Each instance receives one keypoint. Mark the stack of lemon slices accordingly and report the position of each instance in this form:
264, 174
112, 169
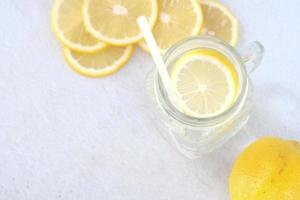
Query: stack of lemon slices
99, 36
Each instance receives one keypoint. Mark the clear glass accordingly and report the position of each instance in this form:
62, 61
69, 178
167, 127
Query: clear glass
195, 136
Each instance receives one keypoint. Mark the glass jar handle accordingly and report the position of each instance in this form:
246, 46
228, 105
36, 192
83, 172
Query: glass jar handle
253, 56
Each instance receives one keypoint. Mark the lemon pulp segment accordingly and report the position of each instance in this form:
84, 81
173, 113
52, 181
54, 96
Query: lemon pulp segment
177, 20
67, 24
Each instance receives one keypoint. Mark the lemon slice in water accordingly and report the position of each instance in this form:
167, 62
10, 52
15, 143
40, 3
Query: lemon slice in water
206, 81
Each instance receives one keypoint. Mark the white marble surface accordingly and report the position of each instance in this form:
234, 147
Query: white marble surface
64, 136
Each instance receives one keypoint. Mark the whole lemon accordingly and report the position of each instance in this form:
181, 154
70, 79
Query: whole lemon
269, 169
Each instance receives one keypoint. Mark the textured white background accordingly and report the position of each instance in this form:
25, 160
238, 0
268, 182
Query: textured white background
64, 136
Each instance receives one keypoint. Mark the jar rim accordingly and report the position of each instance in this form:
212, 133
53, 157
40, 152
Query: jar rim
172, 111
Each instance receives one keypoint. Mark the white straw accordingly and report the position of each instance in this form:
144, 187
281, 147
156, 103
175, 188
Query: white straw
160, 65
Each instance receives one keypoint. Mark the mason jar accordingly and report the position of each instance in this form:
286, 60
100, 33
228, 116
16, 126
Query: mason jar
194, 136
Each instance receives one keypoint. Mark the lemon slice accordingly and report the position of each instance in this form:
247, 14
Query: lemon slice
219, 22
100, 63
177, 20
67, 24
206, 83
114, 21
